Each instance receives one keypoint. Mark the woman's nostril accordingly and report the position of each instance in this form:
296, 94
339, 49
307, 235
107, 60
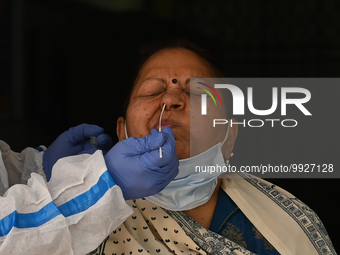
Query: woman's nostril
175, 106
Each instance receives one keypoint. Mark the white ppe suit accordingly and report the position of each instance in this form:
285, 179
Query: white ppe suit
71, 214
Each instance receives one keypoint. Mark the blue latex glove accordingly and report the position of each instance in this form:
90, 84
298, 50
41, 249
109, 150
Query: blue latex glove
136, 167
73, 142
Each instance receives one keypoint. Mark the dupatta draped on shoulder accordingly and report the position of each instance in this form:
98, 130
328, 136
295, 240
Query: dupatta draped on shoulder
288, 224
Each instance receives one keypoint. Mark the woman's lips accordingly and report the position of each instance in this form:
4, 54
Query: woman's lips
169, 123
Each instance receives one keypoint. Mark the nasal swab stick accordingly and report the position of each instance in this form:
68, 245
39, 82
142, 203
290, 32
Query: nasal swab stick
160, 129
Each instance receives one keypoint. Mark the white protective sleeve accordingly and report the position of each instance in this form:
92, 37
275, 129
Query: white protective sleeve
71, 214
19, 166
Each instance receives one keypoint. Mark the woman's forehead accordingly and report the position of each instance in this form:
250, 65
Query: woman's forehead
175, 62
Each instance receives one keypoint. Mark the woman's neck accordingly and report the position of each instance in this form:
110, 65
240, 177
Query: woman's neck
203, 214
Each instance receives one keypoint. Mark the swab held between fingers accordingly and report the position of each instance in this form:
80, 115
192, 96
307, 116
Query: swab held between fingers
160, 129
93, 142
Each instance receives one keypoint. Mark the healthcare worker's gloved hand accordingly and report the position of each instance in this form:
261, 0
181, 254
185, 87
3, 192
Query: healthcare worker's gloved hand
136, 166
73, 142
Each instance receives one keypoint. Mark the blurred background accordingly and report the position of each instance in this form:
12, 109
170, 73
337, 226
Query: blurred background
66, 62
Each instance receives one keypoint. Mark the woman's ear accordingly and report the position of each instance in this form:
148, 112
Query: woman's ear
228, 146
121, 129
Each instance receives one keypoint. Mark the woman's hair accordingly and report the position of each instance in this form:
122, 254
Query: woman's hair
150, 49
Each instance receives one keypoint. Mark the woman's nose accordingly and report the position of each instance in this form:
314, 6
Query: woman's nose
175, 99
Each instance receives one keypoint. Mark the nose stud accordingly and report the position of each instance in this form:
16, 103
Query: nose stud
174, 81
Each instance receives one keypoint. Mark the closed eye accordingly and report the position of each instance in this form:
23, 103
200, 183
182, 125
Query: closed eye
151, 88
152, 94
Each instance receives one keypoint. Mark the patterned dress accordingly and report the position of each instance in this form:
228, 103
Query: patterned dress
252, 217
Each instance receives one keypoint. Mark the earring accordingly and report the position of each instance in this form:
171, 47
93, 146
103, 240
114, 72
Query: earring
174, 81
227, 162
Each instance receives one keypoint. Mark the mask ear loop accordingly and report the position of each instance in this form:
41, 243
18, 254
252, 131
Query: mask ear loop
126, 135
232, 154
227, 134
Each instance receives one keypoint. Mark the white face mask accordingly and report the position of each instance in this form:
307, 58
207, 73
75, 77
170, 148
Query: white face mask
192, 188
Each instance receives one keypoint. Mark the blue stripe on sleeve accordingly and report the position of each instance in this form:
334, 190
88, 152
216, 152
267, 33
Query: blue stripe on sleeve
28, 220
89, 198
50, 211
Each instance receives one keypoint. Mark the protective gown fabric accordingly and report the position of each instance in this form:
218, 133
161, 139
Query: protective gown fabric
19, 166
71, 214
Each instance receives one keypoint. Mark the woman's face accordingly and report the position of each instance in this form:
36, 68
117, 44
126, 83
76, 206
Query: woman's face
154, 88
